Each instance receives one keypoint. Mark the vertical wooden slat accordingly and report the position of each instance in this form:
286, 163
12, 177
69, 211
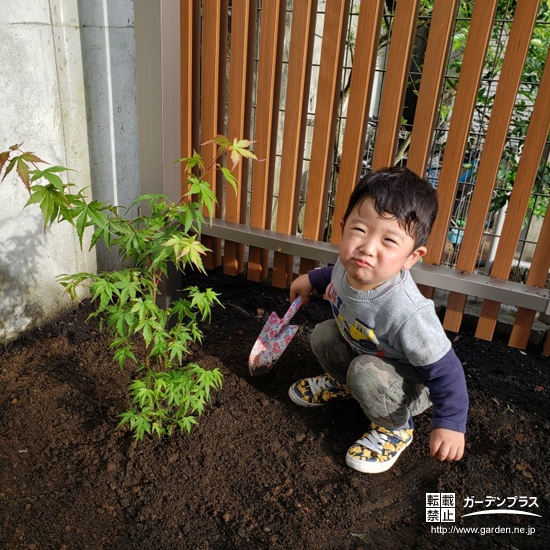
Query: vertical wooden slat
242, 25
538, 273
299, 72
435, 61
222, 78
272, 23
186, 59
532, 151
196, 88
330, 73
190, 60
210, 108
463, 108
248, 119
497, 132
521, 330
357, 118
395, 82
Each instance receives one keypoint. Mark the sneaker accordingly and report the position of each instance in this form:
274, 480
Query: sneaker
314, 392
379, 449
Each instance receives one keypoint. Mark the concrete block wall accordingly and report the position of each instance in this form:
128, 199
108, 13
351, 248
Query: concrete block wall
67, 92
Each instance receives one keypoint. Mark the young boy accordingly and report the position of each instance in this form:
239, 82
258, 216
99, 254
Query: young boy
385, 346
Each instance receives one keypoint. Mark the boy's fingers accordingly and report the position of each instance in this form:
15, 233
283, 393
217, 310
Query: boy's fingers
442, 452
305, 299
449, 453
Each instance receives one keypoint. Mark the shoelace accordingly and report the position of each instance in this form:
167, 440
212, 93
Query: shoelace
374, 441
317, 385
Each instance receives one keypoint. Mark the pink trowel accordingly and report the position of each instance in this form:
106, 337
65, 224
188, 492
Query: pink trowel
273, 340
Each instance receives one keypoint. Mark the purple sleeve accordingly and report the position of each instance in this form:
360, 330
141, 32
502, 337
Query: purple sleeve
320, 278
447, 384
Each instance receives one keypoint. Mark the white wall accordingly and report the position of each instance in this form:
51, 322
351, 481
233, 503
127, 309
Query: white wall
158, 82
71, 109
108, 57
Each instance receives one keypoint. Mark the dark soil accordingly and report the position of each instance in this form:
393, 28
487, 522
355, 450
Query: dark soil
258, 472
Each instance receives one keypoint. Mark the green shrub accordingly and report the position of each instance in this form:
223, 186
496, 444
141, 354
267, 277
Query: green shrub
168, 394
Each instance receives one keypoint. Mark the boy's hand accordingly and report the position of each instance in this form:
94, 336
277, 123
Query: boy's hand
301, 287
446, 444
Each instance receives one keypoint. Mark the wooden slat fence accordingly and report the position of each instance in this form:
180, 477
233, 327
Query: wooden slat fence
256, 58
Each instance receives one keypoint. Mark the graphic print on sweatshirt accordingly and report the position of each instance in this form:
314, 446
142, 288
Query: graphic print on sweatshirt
359, 335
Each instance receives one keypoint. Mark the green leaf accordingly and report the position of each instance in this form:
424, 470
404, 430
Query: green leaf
96, 214
195, 161
139, 423
123, 354
102, 289
230, 178
141, 394
50, 175
186, 423
203, 300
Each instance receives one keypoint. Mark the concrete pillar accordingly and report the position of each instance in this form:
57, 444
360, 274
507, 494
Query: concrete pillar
42, 107
108, 54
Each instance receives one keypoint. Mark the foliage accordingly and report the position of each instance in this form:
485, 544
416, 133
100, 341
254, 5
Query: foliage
527, 94
168, 394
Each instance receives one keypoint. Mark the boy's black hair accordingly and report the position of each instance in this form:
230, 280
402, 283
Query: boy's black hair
399, 193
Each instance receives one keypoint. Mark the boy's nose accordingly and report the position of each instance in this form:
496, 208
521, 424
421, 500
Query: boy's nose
368, 248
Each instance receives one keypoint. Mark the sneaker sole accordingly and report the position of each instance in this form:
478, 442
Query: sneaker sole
374, 467
299, 401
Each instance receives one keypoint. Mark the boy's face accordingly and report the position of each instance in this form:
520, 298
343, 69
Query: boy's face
374, 249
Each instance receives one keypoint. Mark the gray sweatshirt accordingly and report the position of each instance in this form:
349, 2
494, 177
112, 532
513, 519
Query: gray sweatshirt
395, 321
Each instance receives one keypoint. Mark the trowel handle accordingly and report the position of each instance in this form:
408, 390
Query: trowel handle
294, 307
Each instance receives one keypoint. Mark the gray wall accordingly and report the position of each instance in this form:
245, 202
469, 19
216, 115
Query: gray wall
68, 93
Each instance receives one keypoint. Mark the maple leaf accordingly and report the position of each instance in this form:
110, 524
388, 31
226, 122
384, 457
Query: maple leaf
20, 163
239, 149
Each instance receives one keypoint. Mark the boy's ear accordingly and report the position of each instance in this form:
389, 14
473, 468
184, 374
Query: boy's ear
341, 224
414, 256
